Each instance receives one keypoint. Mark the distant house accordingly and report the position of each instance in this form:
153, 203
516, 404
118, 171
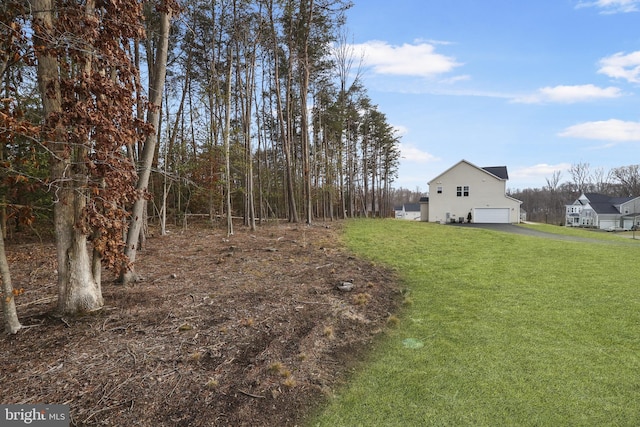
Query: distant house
603, 212
466, 191
410, 211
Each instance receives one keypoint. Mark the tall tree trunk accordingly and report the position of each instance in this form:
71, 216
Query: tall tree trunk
261, 203
285, 127
11, 323
248, 109
373, 186
340, 180
306, 15
77, 287
227, 143
153, 117
306, 158
169, 146
365, 173
3, 203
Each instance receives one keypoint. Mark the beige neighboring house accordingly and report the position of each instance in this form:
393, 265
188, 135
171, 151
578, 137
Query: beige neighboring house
467, 191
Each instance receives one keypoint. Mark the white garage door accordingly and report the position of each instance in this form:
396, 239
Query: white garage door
606, 223
491, 215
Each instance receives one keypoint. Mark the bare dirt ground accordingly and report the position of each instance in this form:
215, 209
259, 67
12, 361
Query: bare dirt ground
246, 330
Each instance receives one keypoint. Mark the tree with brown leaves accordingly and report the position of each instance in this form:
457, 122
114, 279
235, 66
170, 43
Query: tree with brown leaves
86, 80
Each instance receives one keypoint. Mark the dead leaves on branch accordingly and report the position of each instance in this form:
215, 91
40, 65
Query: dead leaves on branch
97, 84
14, 293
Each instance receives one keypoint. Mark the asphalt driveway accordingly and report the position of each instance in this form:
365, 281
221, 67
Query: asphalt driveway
511, 228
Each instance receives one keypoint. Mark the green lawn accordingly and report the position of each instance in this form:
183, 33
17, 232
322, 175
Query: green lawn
502, 329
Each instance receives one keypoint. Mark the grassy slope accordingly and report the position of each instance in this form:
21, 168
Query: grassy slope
516, 331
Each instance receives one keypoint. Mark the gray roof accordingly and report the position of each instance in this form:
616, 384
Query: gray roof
604, 204
408, 207
499, 171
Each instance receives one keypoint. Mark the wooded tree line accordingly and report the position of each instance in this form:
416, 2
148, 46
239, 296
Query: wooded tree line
273, 88
112, 112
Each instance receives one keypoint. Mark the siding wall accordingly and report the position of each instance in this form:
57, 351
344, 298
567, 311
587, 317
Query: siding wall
485, 191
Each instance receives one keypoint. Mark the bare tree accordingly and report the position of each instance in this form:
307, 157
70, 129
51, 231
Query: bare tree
7, 293
554, 212
285, 129
158, 71
581, 176
601, 181
554, 181
305, 23
248, 30
227, 143
344, 55
629, 179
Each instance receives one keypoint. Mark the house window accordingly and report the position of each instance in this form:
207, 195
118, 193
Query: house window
462, 191
439, 190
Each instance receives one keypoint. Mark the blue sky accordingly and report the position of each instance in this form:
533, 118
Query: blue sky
534, 85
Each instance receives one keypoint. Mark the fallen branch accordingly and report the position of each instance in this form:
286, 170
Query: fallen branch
313, 302
323, 266
44, 300
255, 396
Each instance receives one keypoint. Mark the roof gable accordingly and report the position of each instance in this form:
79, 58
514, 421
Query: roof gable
497, 172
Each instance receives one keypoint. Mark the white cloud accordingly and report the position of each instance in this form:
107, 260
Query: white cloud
569, 94
419, 59
622, 66
541, 170
455, 79
411, 153
606, 130
534, 176
612, 6
400, 130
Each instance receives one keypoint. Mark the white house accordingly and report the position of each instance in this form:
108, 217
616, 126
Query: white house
604, 212
466, 191
410, 211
